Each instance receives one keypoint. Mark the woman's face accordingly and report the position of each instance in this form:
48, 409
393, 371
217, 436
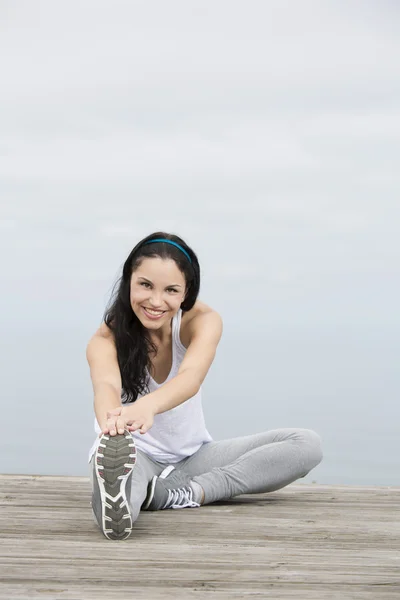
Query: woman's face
157, 292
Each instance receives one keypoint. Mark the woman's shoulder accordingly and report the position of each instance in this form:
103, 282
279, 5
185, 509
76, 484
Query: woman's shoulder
105, 332
199, 308
191, 317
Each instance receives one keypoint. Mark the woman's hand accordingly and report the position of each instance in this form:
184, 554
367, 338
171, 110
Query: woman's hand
137, 416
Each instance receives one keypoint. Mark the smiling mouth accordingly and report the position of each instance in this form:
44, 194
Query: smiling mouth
156, 313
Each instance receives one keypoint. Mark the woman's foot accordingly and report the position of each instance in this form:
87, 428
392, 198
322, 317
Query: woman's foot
113, 463
173, 491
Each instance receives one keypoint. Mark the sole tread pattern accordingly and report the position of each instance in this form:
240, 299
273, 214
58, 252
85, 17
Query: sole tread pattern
114, 461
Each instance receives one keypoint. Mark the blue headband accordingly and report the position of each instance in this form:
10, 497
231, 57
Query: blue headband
170, 242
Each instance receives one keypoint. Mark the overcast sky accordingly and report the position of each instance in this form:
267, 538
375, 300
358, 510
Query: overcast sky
265, 133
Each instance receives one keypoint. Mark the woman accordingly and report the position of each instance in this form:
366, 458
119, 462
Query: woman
147, 363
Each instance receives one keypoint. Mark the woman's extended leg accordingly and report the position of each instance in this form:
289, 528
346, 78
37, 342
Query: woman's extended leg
252, 464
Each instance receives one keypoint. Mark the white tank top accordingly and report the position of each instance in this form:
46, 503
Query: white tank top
178, 432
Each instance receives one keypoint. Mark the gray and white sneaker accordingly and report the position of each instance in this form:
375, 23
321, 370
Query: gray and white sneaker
170, 491
113, 464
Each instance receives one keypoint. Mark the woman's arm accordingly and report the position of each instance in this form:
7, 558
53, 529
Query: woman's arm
205, 330
101, 355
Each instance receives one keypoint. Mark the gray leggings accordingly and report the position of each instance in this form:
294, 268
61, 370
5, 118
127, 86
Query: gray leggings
252, 464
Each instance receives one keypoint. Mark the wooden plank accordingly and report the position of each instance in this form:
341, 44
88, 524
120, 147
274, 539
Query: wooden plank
305, 541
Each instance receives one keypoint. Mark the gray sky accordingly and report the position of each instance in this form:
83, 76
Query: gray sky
265, 133
273, 125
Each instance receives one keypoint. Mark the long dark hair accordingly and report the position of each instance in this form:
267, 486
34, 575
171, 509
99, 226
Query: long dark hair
132, 344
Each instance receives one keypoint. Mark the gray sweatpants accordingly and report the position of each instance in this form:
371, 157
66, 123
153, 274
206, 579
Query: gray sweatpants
252, 464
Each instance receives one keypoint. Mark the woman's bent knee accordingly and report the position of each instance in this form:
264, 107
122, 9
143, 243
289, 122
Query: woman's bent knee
314, 446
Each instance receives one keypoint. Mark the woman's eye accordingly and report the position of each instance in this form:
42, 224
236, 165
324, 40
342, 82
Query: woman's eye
145, 284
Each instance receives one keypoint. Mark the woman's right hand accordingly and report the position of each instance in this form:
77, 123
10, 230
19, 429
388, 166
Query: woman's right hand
116, 423
139, 417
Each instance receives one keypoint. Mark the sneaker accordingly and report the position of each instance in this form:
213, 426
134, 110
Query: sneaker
174, 491
113, 464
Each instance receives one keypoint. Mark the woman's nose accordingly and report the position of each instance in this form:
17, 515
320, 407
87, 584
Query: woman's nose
155, 300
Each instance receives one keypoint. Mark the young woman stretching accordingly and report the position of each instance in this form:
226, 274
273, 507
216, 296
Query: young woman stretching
147, 363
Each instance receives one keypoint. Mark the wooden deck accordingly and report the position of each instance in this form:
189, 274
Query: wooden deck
302, 542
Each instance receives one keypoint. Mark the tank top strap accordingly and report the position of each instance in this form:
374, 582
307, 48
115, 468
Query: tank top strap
176, 328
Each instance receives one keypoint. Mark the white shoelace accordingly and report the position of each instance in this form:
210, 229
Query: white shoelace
180, 498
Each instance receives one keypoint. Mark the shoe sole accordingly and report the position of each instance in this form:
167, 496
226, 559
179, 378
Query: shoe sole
114, 461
